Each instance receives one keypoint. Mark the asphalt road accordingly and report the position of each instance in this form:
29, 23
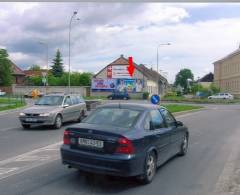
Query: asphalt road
30, 164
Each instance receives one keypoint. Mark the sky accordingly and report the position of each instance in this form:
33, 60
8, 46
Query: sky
199, 33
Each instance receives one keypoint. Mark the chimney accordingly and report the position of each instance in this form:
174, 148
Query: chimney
121, 56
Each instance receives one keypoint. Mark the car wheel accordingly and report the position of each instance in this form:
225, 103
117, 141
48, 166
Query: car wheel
150, 168
125, 98
184, 146
26, 126
58, 122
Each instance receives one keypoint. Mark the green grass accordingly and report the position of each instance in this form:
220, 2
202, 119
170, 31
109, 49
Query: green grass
10, 107
8, 103
95, 97
178, 108
197, 100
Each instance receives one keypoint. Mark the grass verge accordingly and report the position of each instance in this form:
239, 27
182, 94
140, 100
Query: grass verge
179, 108
10, 107
200, 101
7, 103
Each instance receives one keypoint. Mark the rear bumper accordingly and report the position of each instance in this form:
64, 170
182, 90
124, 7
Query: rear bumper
115, 164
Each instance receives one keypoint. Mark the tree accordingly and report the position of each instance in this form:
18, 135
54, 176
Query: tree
182, 79
85, 79
57, 67
5, 69
35, 67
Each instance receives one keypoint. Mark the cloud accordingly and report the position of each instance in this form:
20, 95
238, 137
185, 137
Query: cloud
107, 30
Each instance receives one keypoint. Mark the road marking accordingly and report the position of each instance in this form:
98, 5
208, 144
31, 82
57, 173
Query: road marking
29, 160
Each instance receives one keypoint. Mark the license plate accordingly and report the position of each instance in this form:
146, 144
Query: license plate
90, 142
31, 119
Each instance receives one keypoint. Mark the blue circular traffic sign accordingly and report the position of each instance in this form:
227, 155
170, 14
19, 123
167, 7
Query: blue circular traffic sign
155, 99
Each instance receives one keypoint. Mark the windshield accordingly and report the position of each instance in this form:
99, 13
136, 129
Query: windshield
113, 117
50, 101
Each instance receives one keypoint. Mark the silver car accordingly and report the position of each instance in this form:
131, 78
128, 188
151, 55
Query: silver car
53, 110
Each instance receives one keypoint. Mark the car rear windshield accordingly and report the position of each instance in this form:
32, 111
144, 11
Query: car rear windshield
113, 117
50, 101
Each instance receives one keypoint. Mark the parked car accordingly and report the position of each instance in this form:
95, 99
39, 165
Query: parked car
119, 95
124, 139
2, 93
221, 96
54, 109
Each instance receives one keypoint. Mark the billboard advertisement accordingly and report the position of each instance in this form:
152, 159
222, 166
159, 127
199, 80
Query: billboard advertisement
103, 84
130, 85
122, 85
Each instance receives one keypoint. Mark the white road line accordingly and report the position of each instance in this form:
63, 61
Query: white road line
29, 160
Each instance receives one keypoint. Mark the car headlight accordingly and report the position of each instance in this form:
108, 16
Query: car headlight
44, 114
22, 114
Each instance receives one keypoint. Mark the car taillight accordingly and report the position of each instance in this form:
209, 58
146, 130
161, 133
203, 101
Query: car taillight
125, 146
66, 138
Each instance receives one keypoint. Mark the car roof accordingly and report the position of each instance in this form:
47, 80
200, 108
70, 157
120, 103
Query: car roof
138, 106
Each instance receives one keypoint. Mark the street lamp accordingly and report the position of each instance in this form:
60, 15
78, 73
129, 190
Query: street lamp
46, 45
69, 49
159, 45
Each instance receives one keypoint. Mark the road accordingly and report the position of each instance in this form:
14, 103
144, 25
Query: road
30, 163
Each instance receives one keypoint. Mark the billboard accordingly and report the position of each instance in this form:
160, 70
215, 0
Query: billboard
130, 85
103, 84
120, 72
122, 85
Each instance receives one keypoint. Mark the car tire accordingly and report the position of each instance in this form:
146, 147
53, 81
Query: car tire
150, 168
58, 122
110, 98
184, 146
125, 98
26, 126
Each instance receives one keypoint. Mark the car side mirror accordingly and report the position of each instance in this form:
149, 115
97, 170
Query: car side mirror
179, 123
65, 105
151, 125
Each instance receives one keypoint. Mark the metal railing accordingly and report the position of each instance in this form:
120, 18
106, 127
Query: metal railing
11, 101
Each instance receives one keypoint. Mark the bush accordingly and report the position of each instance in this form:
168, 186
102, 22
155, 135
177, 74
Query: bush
77, 79
145, 95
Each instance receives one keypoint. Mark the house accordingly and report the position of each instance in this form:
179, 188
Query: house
227, 73
18, 74
206, 80
115, 76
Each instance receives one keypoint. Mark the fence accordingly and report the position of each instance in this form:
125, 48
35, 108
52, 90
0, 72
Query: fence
83, 90
11, 101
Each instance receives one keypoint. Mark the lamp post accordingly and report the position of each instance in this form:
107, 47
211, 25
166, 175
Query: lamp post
69, 49
159, 45
46, 45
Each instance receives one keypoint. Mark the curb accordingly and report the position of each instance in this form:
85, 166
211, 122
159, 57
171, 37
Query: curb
187, 111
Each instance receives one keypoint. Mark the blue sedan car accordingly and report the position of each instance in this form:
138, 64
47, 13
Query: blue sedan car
124, 139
